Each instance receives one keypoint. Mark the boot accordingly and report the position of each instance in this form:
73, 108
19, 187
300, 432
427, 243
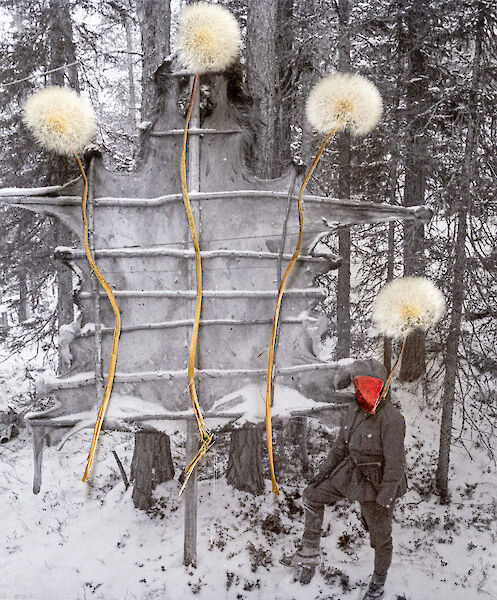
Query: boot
376, 588
305, 556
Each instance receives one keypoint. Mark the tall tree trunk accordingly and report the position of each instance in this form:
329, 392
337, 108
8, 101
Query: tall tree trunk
343, 282
131, 77
3, 314
262, 79
413, 359
459, 271
155, 24
151, 465
22, 309
245, 460
152, 461
393, 175
62, 52
267, 55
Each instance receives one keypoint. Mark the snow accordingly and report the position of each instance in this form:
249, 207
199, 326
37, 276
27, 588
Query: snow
76, 542
18, 375
250, 400
67, 333
126, 406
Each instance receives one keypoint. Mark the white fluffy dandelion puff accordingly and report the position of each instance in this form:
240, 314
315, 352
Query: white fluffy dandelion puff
60, 119
344, 101
209, 38
405, 304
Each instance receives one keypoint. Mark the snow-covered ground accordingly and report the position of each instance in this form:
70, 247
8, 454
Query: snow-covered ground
75, 541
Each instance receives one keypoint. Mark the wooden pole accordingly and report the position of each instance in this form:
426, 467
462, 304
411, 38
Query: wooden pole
192, 438
38, 445
98, 357
190, 496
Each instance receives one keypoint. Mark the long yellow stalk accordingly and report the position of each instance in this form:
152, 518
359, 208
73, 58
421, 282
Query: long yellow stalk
205, 436
117, 328
291, 264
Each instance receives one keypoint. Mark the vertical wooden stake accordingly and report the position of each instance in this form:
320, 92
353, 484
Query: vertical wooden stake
38, 445
95, 291
190, 496
192, 439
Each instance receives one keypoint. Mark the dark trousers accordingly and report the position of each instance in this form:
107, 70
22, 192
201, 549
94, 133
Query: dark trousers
378, 519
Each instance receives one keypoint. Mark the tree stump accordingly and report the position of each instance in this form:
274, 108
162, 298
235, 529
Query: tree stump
245, 461
297, 433
151, 465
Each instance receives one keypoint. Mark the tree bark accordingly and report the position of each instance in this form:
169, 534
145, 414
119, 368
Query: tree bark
62, 48
3, 315
62, 51
151, 465
22, 310
459, 271
262, 79
343, 282
393, 175
413, 359
267, 65
245, 460
152, 462
155, 23
131, 77
298, 433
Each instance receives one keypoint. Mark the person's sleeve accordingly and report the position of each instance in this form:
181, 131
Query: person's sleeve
335, 455
393, 434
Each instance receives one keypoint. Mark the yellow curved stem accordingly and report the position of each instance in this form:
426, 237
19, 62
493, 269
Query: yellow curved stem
291, 264
117, 328
205, 436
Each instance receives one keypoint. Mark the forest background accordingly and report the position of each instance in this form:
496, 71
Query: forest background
434, 63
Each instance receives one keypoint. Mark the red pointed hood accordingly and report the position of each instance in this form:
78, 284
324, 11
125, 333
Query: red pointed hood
367, 392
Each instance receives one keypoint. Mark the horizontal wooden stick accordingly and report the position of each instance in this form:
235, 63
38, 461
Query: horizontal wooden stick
189, 323
135, 252
27, 200
184, 416
221, 294
360, 210
51, 190
88, 378
194, 131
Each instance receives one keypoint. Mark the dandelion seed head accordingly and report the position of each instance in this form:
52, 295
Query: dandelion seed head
60, 119
405, 304
209, 38
344, 101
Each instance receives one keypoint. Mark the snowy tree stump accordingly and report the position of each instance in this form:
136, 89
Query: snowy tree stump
151, 465
297, 432
245, 461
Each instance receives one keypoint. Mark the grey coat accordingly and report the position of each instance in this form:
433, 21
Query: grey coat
367, 462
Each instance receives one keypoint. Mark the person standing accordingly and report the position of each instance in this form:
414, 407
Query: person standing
366, 464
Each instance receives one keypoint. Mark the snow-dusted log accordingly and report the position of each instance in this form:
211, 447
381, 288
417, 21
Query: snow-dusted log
84, 379
336, 210
195, 131
302, 293
189, 322
51, 190
73, 253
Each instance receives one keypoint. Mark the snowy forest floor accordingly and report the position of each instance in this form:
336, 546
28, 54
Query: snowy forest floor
81, 542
